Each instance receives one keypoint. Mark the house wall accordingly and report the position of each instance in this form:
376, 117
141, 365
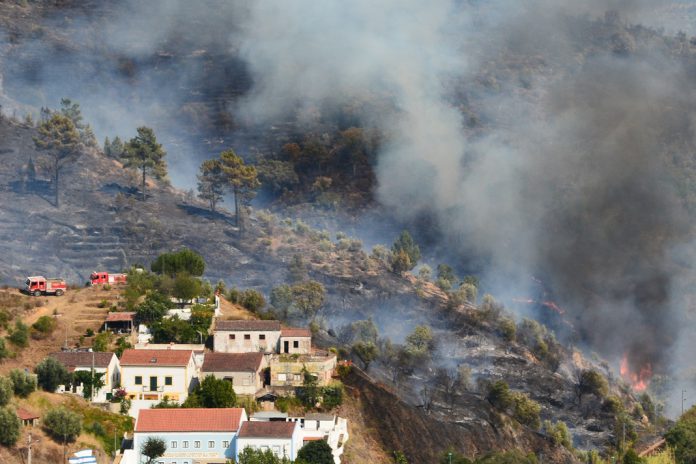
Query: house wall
244, 383
288, 372
304, 345
182, 455
224, 344
282, 447
182, 381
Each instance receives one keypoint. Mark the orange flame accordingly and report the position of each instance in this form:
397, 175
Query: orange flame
639, 381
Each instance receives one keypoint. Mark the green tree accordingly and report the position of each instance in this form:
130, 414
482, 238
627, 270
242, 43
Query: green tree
400, 262
101, 341
682, 437
559, 433
366, 352
152, 309
4, 352
405, 243
72, 111
23, 382
252, 300
173, 330
282, 299
216, 393
186, 287
10, 427
297, 269
309, 297
61, 140
184, 260
242, 179
91, 382
61, 424
591, 382
50, 374
256, 456
211, 182
153, 448
631, 457
526, 410
421, 339
143, 153
308, 393
500, 396
277, 176
6, 390
115, 148
446, 277
315, 452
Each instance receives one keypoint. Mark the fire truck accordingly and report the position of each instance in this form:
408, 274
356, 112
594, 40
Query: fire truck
40, 285
98, 278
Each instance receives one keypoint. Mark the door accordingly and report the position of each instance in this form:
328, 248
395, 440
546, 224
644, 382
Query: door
153, 383
286, 347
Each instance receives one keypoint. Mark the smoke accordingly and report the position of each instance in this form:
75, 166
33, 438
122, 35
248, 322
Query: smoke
567, 179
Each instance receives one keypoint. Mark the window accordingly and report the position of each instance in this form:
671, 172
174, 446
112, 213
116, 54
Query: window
167, 380
174, 444
262, 336
276, 450
138, 379
231, 336
196, 444
225, 444
211, 444
281, 377
247, 336
184, 444
296, 344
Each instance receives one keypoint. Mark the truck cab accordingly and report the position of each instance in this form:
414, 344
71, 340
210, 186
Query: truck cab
98, 278
35, 285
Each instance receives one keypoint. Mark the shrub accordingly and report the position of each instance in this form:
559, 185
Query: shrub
6, 390
332, 396
89, 333
20, 335
24, 383
50, 373
103, 304
101, 341
499, 395
10, 427
62, 425
4, 352
526, 410
316, 452
508, 329
559, 433
612, 404
184, 260
43, 327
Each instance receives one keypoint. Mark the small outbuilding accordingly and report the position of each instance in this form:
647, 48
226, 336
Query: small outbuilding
28, 418
120, 322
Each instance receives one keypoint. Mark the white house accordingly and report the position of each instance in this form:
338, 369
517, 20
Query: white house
246, 336
316, 426
295, 341
192, 436
282, 438
102, 362
243, 370
198, 349
152, 375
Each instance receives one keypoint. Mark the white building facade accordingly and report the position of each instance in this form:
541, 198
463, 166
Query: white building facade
152, 375
246, 336
104, 363
282, 438
192, 436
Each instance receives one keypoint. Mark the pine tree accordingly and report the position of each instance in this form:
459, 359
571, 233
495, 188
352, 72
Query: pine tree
242, 179
143, 153
211, 182
59, 137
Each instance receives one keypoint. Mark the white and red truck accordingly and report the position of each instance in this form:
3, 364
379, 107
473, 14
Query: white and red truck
99, 278
40, 285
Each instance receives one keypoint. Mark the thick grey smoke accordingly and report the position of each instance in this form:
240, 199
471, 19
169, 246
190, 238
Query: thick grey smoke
566, 180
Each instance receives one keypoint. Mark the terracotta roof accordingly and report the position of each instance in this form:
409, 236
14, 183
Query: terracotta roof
73, 359
232, 362
267, 429
119, 317
156, 357
295, 332
251, 326
26, 415
189, 420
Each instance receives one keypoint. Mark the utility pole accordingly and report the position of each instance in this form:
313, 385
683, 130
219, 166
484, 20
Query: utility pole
29, 449
683, 398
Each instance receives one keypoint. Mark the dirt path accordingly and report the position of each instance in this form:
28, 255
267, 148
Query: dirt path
75, 312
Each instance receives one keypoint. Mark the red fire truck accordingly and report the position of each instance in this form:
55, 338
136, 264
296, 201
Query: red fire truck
99, 278
40, 285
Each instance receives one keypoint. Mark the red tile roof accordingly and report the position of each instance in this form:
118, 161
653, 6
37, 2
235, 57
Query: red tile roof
267, 429
232, 362
120, 317
26, 415
189, 420
295, 332
251, 326
156, 357
73, 359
